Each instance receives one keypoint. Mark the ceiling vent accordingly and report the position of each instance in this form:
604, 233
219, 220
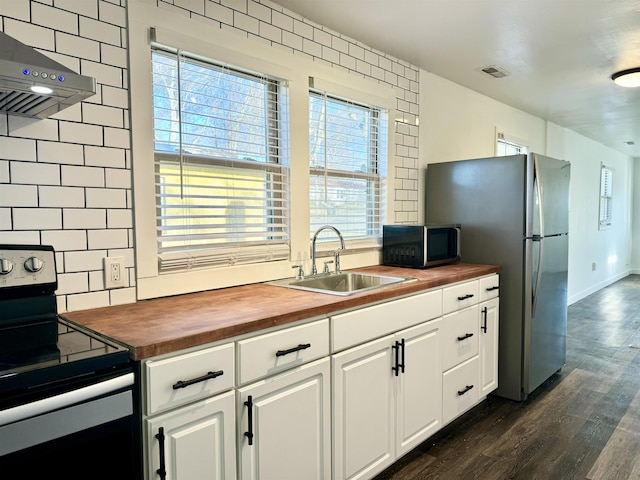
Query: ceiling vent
495, 71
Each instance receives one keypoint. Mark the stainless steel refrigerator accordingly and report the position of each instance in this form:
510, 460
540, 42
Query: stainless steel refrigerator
514, 212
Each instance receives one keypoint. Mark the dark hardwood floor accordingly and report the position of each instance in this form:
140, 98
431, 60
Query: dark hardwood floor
583, 423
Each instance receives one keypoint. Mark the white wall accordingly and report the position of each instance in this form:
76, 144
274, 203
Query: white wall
635, 221
458, 123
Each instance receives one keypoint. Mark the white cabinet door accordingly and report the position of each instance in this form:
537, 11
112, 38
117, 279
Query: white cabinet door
285, 425
419, 385
489, 329
363, 410
195, 442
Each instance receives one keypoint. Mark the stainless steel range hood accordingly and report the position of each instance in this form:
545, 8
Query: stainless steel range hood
33, 85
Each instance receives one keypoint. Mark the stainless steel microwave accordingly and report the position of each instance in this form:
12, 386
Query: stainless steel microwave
420, 246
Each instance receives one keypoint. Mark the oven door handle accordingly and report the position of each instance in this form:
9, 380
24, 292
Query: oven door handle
29, 410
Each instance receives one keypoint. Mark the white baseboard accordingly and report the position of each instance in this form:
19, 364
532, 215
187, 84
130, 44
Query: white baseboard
598, 286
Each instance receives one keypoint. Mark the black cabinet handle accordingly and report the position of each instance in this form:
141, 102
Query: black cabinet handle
302, 346
491, 289
468, 295
162, 471
465, 390
402, 364
249, 433
396, 349
186, 383
465, 336
484, 319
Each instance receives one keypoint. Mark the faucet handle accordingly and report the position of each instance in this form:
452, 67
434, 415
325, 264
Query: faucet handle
300, 275
326, 266
337, 260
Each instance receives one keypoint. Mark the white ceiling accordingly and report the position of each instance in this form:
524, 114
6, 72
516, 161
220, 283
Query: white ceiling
560, 54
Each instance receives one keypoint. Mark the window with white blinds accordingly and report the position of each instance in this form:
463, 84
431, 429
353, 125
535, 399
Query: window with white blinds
348, 166
221, 168
506, 147
606, 195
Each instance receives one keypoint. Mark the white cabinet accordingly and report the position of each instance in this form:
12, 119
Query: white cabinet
387, 399
194, 442
284, 425
489, 333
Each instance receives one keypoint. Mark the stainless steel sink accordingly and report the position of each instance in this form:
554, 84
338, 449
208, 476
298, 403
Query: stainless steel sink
346, 283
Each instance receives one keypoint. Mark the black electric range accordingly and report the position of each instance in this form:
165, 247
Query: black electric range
40, 353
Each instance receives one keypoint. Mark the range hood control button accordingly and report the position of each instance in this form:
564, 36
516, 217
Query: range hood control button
33, 264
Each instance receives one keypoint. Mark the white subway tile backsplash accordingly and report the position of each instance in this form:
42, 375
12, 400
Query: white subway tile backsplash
260, 12
54, 18
82, 261
117, 178
96, 30
239, 5
101, 115
43, 129
119, 218
74, 112
121, 296
87, 8
280, 20
17, 149
61, 196
270, 32
4, 171
80, 133
292, 40
5, 218
14, 9
82, 176
106, 198
196, 6
219, 12
116, 137
56, 152
65, 240
77, 46
72, 283
35, 173
110, 13
18, 195
96, 280
111, 55
29, 34
20, 236
105, 74
115, 97
340, 44
37, 218
104, 156
245, 22
84, 301
107, 239
83, 218
303, 29
312, 48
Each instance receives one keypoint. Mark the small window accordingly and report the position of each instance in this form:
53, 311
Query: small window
507, 146
220, 164
348, 166
606, 196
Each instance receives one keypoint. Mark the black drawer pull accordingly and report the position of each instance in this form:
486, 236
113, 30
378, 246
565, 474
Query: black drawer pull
302, 346
465, 390
186, 383
468, 295
162, 471
249, 405
491, 289
466, 335
485, 311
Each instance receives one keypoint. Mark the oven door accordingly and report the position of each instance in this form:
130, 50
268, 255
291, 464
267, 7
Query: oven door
82, 433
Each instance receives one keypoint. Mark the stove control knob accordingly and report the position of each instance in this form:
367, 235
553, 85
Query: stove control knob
33, 264
5, 266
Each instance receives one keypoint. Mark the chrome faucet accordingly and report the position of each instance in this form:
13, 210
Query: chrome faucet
314, 270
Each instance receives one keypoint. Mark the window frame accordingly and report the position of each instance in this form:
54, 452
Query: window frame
376, 175
605, 215
519, 144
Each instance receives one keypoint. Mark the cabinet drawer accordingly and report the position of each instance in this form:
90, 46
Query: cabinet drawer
359, 326
460, 336
459, 296
273, 352
489, 287
460, 389
185, 378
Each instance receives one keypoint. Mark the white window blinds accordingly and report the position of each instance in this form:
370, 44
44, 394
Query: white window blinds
506, 147
606, 195
221, 164
348, 166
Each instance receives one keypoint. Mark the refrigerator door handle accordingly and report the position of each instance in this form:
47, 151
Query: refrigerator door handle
538, 186
536, 287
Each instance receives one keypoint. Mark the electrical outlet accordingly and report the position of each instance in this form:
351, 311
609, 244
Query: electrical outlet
114, 272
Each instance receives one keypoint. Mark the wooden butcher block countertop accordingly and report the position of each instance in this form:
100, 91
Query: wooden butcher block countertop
163, 325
